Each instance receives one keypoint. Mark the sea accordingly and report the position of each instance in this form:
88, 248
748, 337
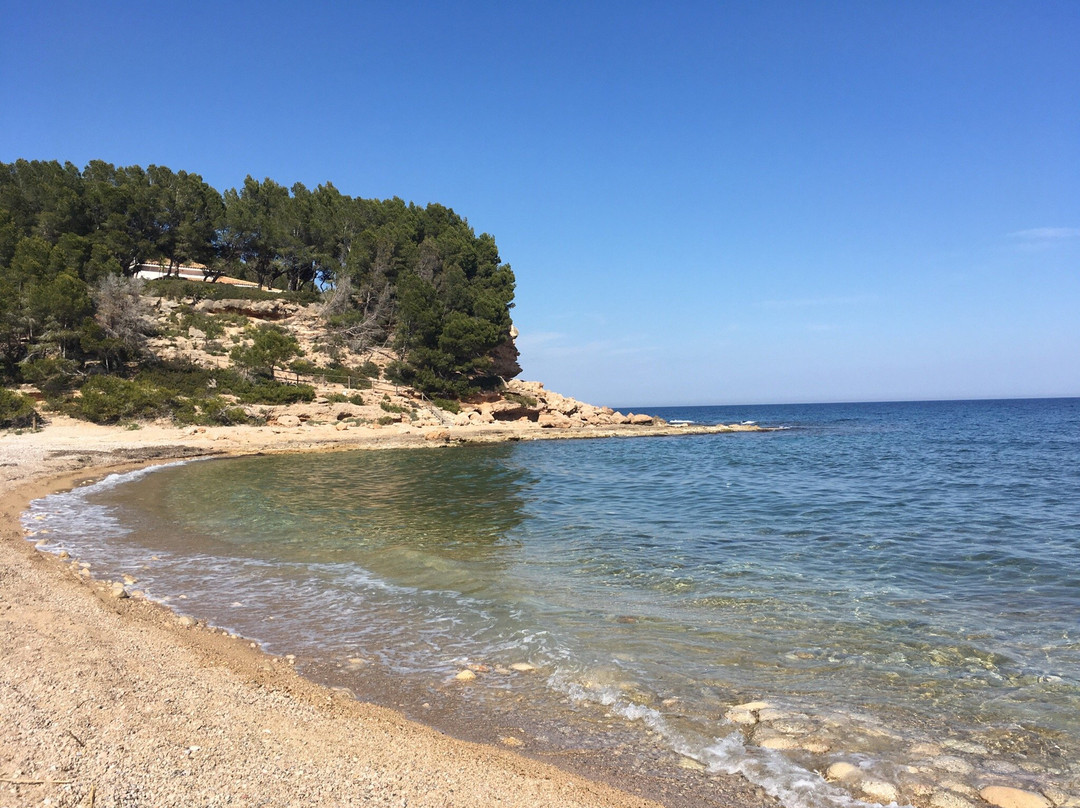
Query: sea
895, 586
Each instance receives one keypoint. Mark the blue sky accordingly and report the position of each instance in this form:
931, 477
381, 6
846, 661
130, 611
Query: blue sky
741, 202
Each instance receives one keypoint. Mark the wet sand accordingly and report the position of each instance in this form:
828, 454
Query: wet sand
116, 701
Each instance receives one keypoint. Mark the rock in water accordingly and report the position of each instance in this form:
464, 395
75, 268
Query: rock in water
1005, 797
841, 771
879, 790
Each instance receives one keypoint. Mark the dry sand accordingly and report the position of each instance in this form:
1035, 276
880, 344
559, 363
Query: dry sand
109, 702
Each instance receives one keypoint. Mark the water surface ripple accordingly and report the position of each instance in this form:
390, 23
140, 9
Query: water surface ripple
901, 582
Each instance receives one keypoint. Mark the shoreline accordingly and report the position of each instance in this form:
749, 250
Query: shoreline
113, 696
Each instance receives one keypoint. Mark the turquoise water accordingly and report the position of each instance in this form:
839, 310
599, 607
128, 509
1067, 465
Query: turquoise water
901, 582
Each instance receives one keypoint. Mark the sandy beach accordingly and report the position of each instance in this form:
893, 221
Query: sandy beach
116, 701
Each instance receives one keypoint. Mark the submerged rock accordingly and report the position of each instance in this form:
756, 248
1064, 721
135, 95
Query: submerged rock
841, 771
879, 790
1006, 797
947, 799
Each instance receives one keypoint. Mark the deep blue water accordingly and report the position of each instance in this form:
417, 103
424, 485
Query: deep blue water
900, 581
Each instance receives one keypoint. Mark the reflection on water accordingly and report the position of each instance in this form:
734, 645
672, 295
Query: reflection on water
899, 583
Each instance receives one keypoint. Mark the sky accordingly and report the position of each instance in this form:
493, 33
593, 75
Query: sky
703, 202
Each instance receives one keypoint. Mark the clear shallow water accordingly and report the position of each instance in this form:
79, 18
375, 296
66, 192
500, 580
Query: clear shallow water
900, 581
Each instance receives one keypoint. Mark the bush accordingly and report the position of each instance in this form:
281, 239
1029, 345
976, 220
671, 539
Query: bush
520, 398
108, 399
51, 376
270, 347
274, 393
447, 404
16, 410
212, 411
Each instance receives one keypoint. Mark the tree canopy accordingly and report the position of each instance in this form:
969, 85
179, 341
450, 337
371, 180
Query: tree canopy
418, 279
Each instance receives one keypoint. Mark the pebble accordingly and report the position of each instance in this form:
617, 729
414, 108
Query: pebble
740, 717
691, 764
1006, 797
119, 592
953, 764
522, 667
946, 799
1058, 797
63, 554
778, 742
185, 621
964, 746
510, 740
465, 675
959, 788
841, 771
752, 706
879, 790
130, 579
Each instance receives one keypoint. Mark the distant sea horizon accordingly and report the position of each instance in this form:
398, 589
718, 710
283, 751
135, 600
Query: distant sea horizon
646, 407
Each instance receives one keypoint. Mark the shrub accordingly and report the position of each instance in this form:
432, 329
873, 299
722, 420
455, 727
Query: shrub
520, 398
51, 376
270, 347
274, 393
447, 404
16, 410
108, 399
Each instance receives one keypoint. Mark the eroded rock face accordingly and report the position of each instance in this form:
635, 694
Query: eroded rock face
504, 359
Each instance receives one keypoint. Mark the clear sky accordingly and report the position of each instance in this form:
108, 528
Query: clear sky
703, 202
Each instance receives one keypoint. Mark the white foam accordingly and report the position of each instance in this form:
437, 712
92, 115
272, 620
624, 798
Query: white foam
791, 784
782, 778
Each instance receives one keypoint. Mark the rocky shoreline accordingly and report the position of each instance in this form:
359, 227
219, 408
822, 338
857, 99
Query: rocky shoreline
114, 700
69, 644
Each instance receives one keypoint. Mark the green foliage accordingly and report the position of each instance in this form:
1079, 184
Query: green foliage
109, 399
447, 404
386, 420
51, 375
270, 347
417, 276
386, 406
520, 398
16, 410
181, 289
274, 393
